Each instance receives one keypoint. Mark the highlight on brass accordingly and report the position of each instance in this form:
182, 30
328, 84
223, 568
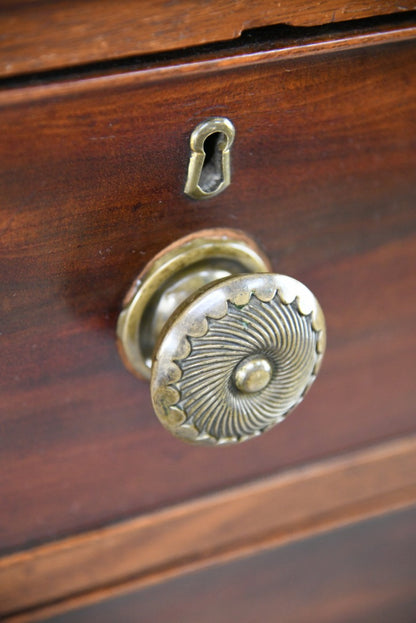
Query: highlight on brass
230, 348
209, 170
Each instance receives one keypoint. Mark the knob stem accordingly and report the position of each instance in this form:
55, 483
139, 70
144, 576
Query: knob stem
170, 278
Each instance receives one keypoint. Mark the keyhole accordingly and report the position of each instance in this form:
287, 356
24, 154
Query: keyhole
209, 171
212, 174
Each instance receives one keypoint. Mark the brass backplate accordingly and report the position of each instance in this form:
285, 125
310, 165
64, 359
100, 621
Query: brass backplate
171, 277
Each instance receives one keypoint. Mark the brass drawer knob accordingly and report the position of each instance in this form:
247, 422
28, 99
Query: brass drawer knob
230, 349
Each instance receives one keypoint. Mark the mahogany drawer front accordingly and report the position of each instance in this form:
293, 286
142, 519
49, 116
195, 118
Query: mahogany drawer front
92, 177
362, 573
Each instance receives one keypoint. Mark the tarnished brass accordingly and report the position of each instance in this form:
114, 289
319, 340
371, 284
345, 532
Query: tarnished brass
231, 349
253, 374
170, 277
209, 170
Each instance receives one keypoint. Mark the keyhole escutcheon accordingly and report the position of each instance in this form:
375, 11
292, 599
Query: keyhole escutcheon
209, 170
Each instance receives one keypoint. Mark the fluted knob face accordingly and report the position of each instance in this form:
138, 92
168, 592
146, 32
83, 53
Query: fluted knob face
236, 358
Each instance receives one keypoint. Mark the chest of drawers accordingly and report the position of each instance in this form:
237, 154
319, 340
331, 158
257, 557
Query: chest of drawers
97, 501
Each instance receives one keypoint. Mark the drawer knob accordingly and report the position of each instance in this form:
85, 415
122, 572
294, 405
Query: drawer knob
229, 348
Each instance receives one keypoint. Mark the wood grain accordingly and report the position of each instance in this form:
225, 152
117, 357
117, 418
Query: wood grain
323, 177
145, 550
362, 573
38, 36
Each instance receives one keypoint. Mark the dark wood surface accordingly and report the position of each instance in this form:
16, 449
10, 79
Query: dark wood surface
153, 547
364, 573
40, 35
92, 174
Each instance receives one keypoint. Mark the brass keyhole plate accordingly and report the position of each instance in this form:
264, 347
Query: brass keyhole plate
209, 170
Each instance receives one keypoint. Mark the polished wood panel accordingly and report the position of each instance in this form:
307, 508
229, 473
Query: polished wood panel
325, 136
364, 573
300, 502
43, 35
